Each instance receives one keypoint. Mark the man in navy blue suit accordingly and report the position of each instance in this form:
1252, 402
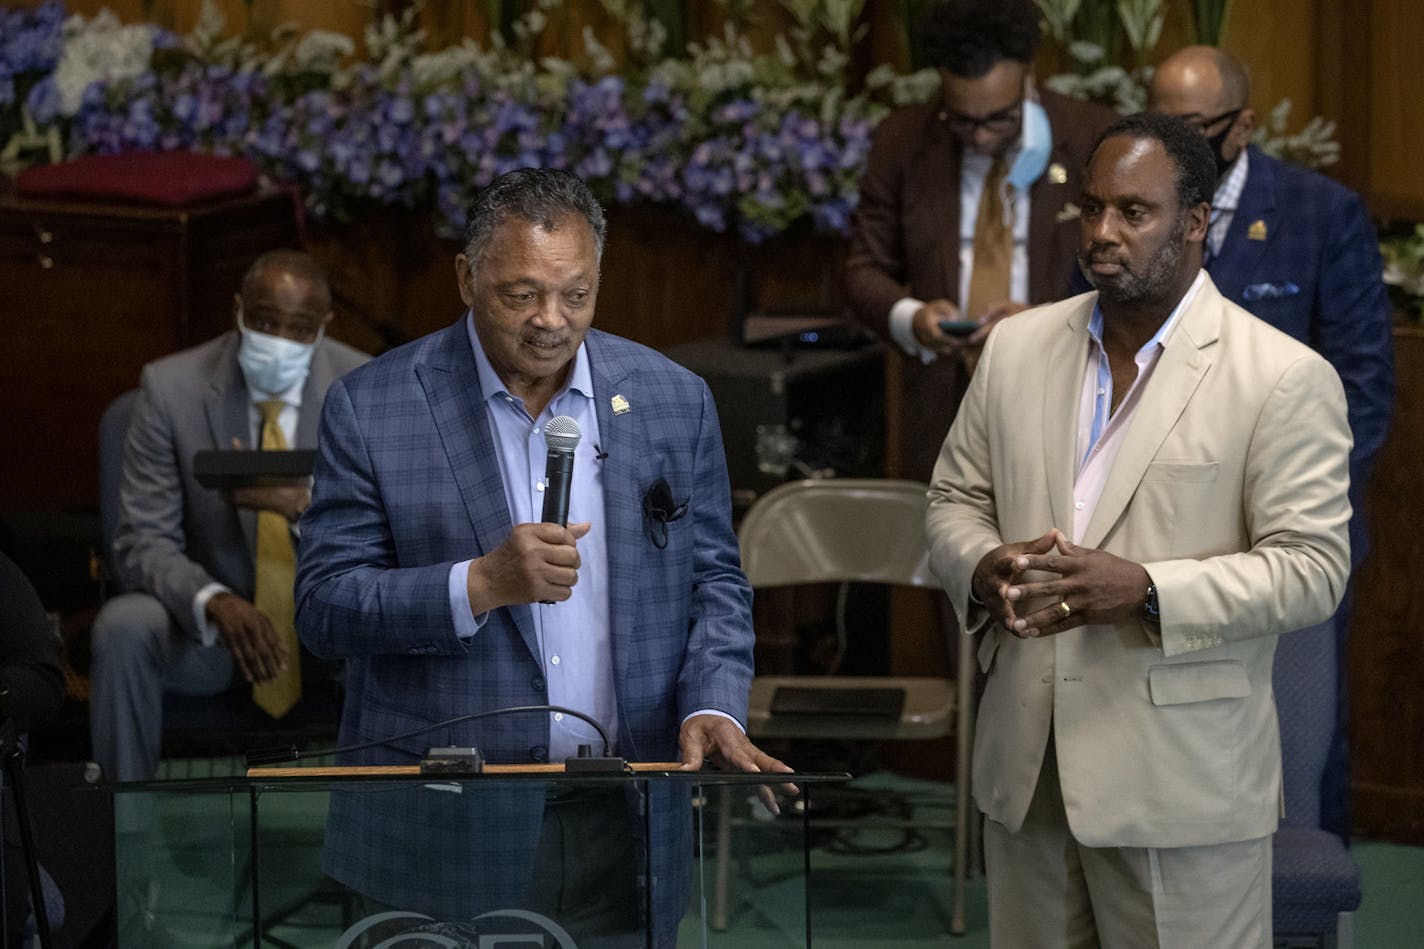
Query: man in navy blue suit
425, 565
1299, 251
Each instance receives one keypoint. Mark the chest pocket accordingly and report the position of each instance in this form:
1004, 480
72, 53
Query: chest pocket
1176, 497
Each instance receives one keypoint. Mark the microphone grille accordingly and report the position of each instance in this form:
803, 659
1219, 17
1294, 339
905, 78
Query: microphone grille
561, 434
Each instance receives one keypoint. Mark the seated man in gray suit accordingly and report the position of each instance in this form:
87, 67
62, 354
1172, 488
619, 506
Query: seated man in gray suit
196, 618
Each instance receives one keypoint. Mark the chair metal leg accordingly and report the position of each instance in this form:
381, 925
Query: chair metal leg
1345, 931
961, 818
965, 826
724, 858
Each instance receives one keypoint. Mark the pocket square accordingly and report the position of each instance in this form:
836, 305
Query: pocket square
1270, 291
661, 510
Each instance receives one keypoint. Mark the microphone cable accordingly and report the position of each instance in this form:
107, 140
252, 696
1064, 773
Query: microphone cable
264, 756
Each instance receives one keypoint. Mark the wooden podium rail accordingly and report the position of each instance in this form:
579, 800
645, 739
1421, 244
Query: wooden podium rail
382, 771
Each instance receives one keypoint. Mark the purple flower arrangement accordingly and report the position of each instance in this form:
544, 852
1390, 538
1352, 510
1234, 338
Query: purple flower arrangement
393, 133
30, 44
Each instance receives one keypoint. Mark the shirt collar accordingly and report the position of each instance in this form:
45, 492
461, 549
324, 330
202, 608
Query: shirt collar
1229, 188
1159, 338
580, 380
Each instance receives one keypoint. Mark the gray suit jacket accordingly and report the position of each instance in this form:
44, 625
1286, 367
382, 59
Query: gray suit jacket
1230, 488
175, 536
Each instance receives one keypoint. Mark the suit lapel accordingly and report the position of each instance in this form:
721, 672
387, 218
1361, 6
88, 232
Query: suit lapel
1061, 393
935, 179
229, 416
1048, 199
457, 406
1240, 255
1183, 364
622, 437
313, 392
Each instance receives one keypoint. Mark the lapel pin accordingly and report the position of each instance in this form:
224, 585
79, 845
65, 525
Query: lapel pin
1257, 231
1070, 212
620, 405
1057, 174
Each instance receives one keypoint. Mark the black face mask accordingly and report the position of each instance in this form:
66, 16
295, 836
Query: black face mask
1216, 141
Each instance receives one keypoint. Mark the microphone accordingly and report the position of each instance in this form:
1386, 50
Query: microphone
561, 436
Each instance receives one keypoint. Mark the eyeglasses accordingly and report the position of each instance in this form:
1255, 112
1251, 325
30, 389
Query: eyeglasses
1205, 126
1002, 121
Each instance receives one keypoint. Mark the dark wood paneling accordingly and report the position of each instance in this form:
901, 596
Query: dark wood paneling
94, 291
1387, 637
665, 279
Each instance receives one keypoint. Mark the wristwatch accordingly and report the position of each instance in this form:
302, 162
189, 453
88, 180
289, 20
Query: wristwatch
1150, 612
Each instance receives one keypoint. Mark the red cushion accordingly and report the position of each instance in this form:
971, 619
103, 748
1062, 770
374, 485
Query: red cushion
169, 178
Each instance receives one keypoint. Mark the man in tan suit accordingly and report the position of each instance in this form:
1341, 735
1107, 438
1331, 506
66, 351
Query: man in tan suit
1144, 487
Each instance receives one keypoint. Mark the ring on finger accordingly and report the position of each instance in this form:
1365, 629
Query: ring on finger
1066, 610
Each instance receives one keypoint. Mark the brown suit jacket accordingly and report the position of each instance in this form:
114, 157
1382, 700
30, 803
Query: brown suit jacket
906, 244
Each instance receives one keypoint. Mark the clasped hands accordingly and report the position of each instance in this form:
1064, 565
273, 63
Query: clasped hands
1096, 586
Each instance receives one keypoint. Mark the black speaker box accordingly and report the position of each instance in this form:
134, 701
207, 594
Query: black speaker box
74, 839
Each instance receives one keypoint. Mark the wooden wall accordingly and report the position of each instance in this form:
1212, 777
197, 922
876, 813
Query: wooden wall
1387, 647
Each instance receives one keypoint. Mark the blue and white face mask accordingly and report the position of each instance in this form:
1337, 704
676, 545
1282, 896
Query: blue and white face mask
273, 364
1035, 145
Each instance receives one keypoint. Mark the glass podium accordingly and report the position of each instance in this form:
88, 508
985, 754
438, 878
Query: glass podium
391, 857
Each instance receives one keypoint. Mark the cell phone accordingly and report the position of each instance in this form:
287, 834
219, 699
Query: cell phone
958, 327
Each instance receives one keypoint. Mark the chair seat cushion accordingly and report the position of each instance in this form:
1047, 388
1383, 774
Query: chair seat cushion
162, 178
1313, 879
926, 709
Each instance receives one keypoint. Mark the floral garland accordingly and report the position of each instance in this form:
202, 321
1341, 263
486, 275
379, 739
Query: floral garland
741, 140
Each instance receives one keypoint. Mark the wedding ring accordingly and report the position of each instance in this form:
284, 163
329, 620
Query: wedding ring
1067, 610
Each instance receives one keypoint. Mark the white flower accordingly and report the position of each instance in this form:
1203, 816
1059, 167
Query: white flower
102, 49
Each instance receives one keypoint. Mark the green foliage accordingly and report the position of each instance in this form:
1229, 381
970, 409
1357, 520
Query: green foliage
1208, 21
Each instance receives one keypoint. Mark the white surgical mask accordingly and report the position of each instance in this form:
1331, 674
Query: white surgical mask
273, 364
1035, 145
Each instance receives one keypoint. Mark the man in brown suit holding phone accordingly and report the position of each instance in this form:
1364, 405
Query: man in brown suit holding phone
933, 264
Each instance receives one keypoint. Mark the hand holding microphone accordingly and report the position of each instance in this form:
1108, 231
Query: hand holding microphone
537, 563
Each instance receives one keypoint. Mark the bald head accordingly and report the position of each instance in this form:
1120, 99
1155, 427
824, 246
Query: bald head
1210, 90
1215, 78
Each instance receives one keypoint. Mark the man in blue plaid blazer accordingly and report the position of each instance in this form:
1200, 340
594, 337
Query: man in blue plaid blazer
423, 564
1298, 250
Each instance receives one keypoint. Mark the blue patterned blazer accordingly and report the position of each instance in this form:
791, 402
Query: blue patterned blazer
407, 484
1303, 255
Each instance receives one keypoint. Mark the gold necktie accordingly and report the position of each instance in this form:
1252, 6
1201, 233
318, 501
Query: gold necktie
993, 247
276, 576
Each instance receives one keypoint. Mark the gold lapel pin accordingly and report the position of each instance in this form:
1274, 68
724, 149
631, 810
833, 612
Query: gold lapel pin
1257, 231
620, 405
1057, 174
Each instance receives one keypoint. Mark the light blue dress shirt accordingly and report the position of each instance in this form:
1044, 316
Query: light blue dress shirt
575, 647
